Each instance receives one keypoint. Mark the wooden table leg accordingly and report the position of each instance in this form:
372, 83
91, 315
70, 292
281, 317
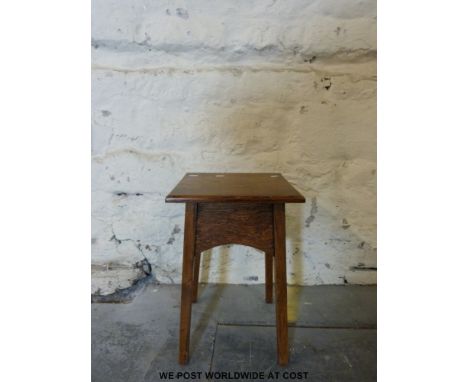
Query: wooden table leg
196, 273
187, 281
269, 277
280, 285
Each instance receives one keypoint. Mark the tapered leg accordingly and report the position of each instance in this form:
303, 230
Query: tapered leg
269, 277
187, 281
196, 273
280, 285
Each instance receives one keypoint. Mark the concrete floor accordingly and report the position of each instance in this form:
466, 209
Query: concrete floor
332, 335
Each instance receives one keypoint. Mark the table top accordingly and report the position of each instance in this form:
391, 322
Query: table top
234, 187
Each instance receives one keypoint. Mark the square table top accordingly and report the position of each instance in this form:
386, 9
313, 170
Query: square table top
234, 187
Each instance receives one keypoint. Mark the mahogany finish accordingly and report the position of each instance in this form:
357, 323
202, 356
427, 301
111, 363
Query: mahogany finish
241, 208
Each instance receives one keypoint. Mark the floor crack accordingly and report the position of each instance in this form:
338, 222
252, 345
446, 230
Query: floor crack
213, 348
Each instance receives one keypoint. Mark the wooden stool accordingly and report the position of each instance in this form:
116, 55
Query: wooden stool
235, 208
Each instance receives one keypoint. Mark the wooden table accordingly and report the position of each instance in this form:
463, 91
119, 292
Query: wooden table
235, 208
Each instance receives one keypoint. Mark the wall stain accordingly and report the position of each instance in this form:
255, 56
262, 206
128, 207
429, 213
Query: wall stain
313, 211
251, 278
326, 82
125, 194
310, 60
339, 240
182, 13
362, 267
345, 224
174, 232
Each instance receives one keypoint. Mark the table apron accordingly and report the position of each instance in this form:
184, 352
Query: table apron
248, 224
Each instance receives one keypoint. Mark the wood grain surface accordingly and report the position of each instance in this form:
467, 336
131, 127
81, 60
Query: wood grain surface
234, 223
235, 208
234, 187
187, 282
281, 292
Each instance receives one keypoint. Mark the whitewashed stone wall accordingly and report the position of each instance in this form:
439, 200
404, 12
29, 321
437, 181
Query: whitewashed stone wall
280, 86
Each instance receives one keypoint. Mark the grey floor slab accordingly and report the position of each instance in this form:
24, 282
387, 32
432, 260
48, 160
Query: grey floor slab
328, 305
315, 354
332, 327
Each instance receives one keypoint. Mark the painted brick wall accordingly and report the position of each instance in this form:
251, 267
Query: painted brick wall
283, 86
